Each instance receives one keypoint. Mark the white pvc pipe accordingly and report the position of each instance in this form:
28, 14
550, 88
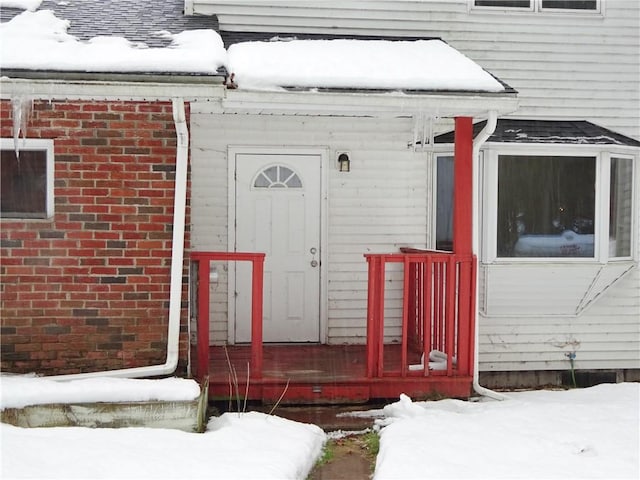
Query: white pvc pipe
482, 137
177, 257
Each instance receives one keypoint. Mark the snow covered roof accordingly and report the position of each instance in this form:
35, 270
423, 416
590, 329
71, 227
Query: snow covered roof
571, 132
146, 36
134, 20
41, 41
422, 65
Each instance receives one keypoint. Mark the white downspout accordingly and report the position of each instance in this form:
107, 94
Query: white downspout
177, 257
485, 133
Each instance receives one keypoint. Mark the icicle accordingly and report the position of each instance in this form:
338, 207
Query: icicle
22, 108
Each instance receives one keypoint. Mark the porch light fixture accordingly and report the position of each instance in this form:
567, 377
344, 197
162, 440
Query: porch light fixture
344, 164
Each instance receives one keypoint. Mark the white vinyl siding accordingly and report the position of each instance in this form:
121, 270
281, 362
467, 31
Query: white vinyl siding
377, 207
564, 65
604, 335
534, 311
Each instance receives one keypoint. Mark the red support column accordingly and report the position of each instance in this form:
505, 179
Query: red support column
202, 368
463, 187
256, 316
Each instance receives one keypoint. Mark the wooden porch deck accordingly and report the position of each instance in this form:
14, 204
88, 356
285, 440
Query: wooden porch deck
309, 374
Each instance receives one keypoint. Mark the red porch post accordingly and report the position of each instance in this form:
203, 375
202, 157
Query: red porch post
463, 187
463, 241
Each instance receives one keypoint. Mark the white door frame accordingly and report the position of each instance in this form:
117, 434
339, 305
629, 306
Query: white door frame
323, 153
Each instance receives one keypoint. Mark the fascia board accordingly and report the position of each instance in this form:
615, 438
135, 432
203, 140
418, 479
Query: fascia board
366, 104
104, 90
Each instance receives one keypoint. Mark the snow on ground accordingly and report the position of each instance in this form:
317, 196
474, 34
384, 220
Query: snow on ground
235, 446
586, 433
17, 391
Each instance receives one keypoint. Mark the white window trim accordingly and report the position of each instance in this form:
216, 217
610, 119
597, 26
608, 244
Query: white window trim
439, 151
635, 203
535, 6
31, 144
602, 154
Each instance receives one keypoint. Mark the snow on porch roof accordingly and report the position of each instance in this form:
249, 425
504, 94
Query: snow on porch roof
418, 65
570, 132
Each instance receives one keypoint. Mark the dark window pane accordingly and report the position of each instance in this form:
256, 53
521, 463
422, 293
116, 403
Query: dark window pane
546, 206
444, 204
620, 206
571, 4
503, 3
23, 183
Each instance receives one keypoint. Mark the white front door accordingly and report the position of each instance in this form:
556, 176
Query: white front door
278, 213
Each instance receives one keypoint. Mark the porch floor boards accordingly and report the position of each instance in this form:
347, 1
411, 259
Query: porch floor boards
323, 374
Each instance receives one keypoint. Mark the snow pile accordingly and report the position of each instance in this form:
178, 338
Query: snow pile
589, 433
20, 391
39, 41
235, 446
374, 64
31, 5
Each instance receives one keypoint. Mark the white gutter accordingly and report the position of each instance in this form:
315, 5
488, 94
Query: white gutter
177, 257
482, 137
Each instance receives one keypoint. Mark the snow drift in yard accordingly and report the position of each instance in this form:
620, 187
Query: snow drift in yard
235, 446
588, 433
17, 391
373, 64
39, 41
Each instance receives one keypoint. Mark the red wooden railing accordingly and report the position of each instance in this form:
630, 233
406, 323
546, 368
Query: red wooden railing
203, 261
438, 314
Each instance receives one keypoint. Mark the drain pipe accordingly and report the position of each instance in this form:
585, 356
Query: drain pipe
485, 133
177, 257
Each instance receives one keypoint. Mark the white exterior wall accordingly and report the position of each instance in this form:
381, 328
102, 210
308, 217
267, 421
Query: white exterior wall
381, 205
569, 65
564, 66
532, 316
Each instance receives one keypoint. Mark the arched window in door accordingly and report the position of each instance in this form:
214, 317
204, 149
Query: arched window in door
277, 176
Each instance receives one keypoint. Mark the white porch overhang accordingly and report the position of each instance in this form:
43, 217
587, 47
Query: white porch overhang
362, 103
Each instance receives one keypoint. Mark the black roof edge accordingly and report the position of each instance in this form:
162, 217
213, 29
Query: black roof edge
405, 91
142, 77
231, 37
567, 132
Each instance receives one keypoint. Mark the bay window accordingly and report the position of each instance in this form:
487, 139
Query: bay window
546, 206
541, 204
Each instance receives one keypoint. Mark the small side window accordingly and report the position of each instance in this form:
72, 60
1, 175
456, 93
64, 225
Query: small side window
591, 5
26, 179
620, 207
503, 3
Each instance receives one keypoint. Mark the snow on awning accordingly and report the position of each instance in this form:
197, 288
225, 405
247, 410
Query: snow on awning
420, 65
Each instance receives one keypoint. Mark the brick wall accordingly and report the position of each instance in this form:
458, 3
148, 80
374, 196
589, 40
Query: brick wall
89, 289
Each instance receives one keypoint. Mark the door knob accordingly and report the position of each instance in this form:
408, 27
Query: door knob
314, 263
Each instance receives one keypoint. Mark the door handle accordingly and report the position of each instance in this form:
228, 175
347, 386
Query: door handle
314, 263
